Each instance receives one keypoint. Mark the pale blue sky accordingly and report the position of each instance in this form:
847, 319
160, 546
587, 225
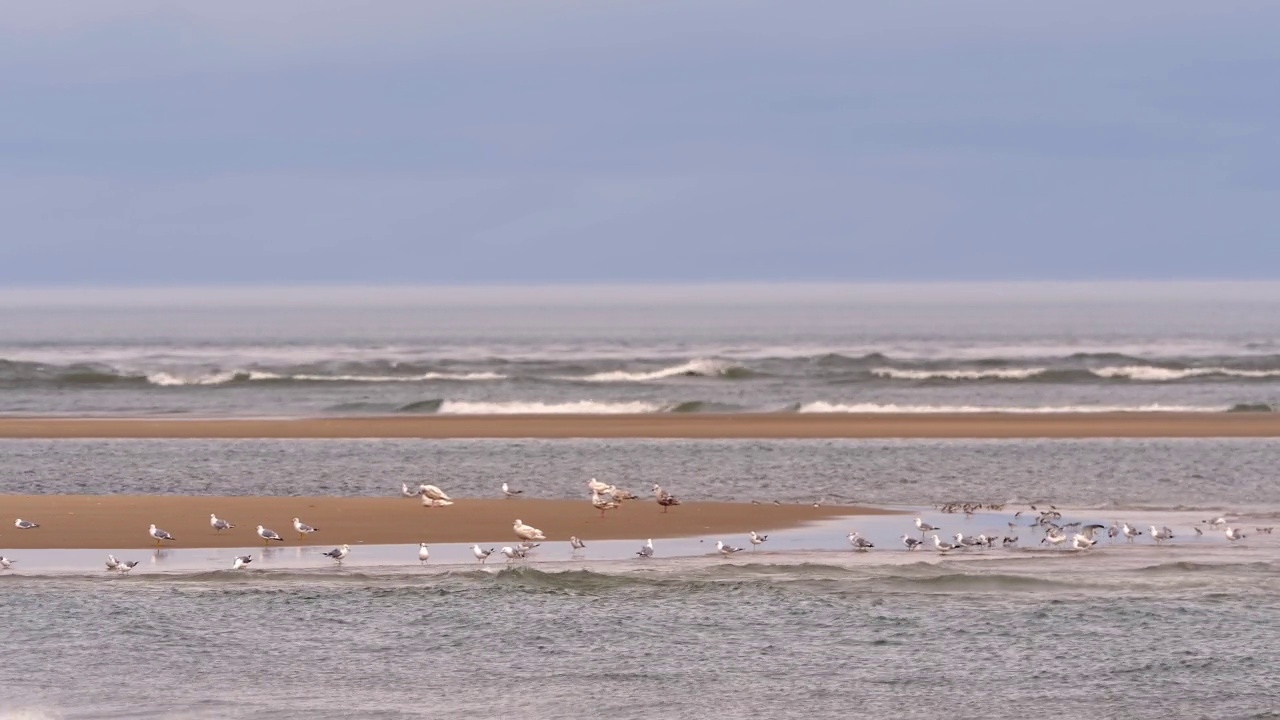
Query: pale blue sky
315, 141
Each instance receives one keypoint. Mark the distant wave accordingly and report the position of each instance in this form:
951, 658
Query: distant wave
701, 367
1148, 373
828, 407
992, 374
583, 407
167, 379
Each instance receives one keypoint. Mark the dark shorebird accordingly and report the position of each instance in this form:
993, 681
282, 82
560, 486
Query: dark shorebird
665, 499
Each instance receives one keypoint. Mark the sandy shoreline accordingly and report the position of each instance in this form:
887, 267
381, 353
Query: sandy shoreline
121, 521
756, 425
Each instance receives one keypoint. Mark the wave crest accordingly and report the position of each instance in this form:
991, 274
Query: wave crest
701, 367
823, 406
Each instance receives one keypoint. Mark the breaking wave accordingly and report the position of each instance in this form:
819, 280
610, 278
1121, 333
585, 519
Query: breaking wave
829, 407
701, 367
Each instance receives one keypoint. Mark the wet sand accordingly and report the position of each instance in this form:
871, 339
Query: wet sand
755, 425
121, 521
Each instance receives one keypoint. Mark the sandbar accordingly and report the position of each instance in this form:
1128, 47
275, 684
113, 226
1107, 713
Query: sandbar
674, 425
121, 521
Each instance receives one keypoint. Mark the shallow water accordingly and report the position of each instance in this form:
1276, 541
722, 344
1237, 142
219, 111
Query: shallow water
801, 627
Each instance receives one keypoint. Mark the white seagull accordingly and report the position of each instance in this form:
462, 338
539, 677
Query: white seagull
527, 532
726, 550
159, 535
1080, 542
911, 542
1054, 538
595, 485
925, 527
338, 553
1234, 535
112, 563
406, 492
646, 550
218, 524
25, 524
509, 492
757, 539
302, 528
942, 546
1129, 532
858, 542
428, 502
423, 553
481, 555
576, 544
601, 504
5, 562
431, 492
268, 535
240, 561
1161, 534
127, 565
511, 553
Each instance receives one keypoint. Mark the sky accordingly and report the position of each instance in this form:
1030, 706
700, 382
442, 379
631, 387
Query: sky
147, 142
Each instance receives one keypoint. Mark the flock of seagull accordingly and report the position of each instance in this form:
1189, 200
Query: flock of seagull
604, 497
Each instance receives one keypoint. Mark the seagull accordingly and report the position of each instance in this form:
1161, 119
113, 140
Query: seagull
1129, 532
432, 492
1090, 530
127, 565
268, 535
595, 485
1161, 534
406, 492
1234, 535
159, 535
646, 550
1009, 541
1220, 520
618, 494
757, 539
302, 528
726, 550
911, 542
964, 542
112, 563
524, 547
601, 504
527, 532
5, 562
509, 492
217, 524
925, 527
240, 561
338, 553
511, 553
1080, 542
942, 546
25, 524
665, 499
1054, 538
481, 555
423, 553
576, 544
428, 502
859, 543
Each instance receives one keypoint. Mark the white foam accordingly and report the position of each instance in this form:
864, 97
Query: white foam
992, 374
1148, 373
704, 367
581, 407
869, 408
174, 379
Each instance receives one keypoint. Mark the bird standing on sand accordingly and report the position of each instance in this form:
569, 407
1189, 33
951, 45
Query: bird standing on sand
911, 543
481, 555
576, 544
112, 563
925, 527
302, 528
942, 546
5, 562
1129, 532
240, 561
25, 524
127, 565
595, 485
1161, 534
646, 550
338, 554
431, 492
217, 524
1234, 535
511, 553
665, 499
423, 553
157, 534
527, 532
268, 535
726, 550
1080, 542
509, 492
757, 539
601, 504
859, 543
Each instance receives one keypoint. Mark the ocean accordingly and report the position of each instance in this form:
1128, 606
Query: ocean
802, 627
700, 349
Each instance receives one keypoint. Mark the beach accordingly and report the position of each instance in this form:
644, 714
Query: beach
121, 521
691, 426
